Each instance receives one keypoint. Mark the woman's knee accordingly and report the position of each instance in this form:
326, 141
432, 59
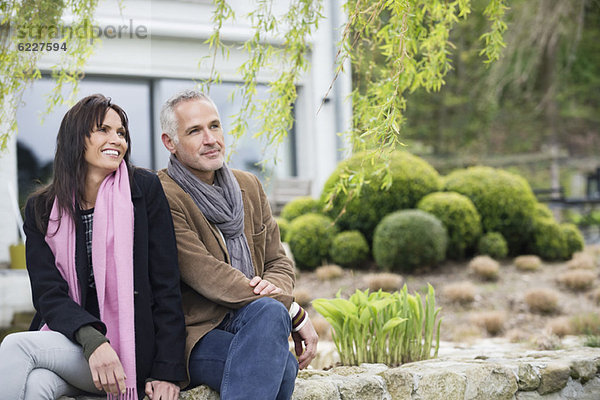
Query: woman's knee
15, 343
44, 384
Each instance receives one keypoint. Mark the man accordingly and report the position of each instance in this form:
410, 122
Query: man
236, 280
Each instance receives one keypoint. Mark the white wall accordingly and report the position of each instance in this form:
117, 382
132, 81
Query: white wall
8, 177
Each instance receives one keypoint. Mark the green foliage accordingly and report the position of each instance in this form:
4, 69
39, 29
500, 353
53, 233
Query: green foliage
411, 179
381, 327
493, 244
407, 239
542, 211
590, 218
310, 237
349, 249
573, 240
504, 201
395, 48
588, 324
459, 216
284, 227
286, 63
300, 206
23, 22
552, 57
548, 240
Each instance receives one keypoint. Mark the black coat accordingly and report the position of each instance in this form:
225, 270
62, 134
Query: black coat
159, 322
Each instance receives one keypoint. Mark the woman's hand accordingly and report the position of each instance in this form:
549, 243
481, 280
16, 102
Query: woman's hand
107, 371
161, 390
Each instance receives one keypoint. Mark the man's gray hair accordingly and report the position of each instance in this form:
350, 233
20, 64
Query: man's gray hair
168, 120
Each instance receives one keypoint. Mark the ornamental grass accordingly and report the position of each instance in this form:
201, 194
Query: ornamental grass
485, 268
382, 327
542, 300
578, 280
528, 263
386, 281
329, 272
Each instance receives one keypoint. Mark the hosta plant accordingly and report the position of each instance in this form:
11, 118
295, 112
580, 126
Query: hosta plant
382, 327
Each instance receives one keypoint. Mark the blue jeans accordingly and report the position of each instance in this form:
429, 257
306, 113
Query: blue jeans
247, 356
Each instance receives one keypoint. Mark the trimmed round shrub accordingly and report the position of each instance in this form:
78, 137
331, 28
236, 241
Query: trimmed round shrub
300, 206
504, 201
548, 239
310, 237
412, 179
542, 211
407, 239
284, 226
349, 249
493, 244
459, 216
573, 240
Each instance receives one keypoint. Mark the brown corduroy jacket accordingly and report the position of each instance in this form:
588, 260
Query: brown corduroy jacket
210, 286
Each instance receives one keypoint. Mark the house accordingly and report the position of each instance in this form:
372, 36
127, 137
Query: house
151, 49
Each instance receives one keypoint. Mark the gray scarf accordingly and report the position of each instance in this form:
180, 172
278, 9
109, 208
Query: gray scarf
222, 205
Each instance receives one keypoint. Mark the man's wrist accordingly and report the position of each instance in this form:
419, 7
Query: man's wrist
299, 319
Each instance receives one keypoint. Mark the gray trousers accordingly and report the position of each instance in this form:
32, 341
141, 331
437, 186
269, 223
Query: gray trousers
42, 366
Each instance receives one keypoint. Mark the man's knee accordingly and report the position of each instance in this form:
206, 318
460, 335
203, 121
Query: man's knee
271, 307
291, 369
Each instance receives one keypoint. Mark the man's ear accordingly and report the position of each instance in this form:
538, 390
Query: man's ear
168, 142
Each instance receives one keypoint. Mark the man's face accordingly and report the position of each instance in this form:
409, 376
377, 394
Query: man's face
201, 145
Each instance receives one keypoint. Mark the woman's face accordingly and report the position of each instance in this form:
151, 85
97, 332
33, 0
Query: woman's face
106, 146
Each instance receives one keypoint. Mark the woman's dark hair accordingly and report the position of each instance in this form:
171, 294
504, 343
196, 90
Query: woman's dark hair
70, 167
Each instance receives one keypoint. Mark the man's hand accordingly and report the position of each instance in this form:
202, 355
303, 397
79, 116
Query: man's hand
307, 336
107, 371
263, 286
161, 390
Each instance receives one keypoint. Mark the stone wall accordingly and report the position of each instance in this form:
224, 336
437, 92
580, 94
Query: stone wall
464, 374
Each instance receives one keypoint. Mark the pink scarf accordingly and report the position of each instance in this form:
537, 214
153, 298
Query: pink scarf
112, 260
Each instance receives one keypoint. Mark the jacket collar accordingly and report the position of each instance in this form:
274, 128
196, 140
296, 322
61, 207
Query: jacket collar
136, 192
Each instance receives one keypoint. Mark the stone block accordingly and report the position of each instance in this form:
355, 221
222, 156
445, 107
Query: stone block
583, 370
554, 377
528, 377
199, 393
315, 389
445, 385
399, 383
348, 370
537, 396
492, 381
361, 387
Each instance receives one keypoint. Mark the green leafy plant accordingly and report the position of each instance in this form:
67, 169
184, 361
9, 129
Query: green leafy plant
408, 239
349, 249
382, 327
459, 216
300, 206
493, 244
310, 237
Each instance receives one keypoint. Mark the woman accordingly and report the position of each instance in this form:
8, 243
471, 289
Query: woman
102, 260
